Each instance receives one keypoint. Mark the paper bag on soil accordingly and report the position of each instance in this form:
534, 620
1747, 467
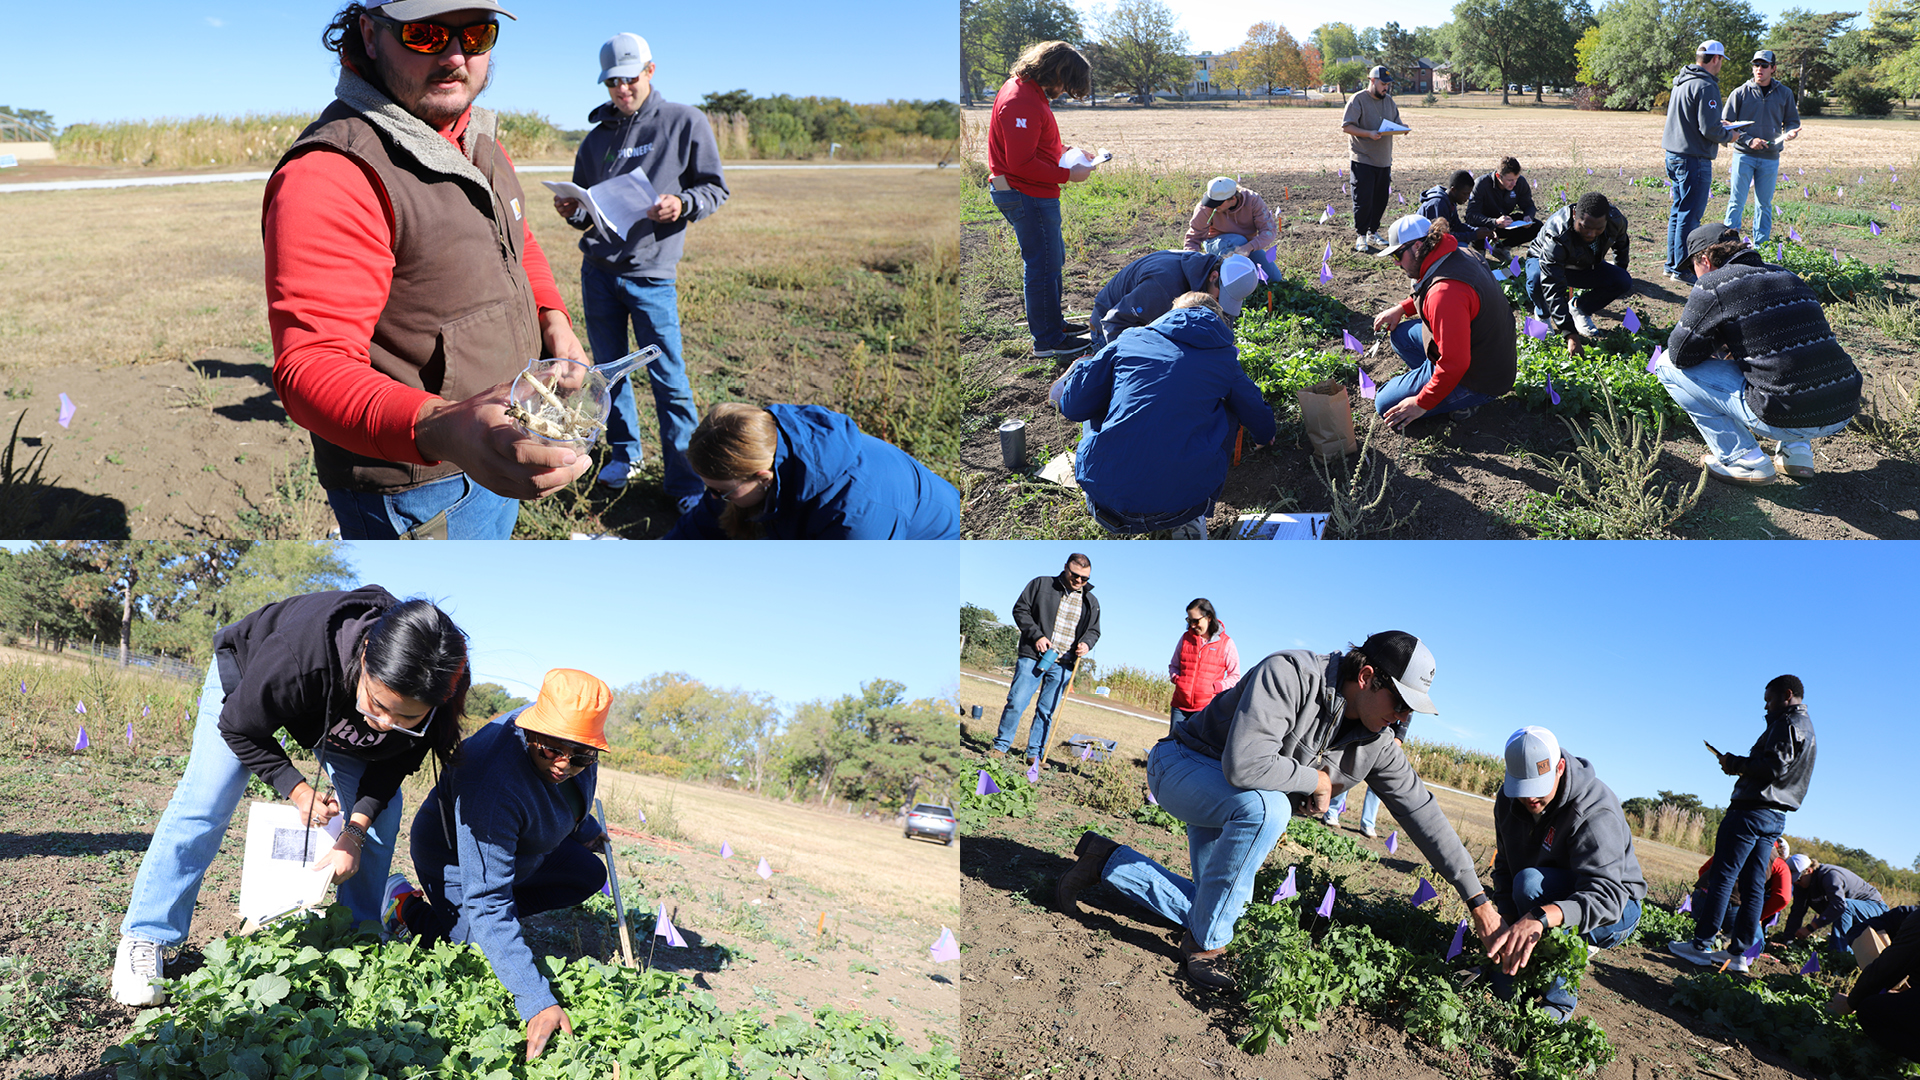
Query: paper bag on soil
1326, 413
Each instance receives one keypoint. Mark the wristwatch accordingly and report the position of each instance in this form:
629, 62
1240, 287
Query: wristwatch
1539, 915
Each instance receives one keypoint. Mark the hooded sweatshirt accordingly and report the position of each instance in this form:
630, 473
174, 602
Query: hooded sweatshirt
1146, 288
831, 481
1245, 215
1825, 888
1284, 721
1693, 115
1161, 403
673, 146
1583, 831
1776, 772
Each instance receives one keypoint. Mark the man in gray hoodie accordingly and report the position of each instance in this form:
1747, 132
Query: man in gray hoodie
1692, 139
1564, 857
1299, 725
1773, 779
632, 279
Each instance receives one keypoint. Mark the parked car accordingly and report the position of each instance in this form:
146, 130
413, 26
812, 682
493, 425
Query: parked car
926, 819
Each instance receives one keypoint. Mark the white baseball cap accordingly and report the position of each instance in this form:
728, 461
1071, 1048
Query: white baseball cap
1710, 47
1405, 231
1237, 282
1799, 864
413, 10
623, 57
1533, 759
1220, 189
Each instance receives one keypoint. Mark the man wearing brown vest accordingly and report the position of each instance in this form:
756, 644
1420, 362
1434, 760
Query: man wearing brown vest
1461, 353
404, 287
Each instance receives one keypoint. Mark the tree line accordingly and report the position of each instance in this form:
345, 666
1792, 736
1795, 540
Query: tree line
786, 126
1622, 55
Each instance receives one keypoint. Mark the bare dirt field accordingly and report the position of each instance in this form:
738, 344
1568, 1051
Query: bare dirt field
821, 932
1098, 994
1448, 480
145, 307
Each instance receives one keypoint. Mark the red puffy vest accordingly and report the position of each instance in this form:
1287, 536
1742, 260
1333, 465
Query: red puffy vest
1202, 664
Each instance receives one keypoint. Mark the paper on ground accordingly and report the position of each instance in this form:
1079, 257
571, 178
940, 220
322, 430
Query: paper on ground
273, 880
1282, 526
1060, 471
1389, 125
615, 204
1076, 156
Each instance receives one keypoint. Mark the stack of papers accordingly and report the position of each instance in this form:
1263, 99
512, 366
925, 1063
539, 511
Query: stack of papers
1076, 156
615, 204
1282, 526
277, 874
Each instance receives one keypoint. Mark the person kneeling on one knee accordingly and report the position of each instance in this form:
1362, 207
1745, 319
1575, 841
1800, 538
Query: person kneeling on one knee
1569, 254
1753, 357
1461, 351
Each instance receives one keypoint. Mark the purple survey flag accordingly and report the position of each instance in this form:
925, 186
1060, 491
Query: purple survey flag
1402, 198
1779, 250
643, 815
1811, 966
1326, 904
945, 948
1536, 328
1033, 771
81, 743
986, 786
1873, 227
1367, 389
1631, 322
1086, 752
1653, 362
1806, 192
1759, 946
1514, 266
1773, 922
1259, 271
1895, 207
67, 407
1488, 244
663, 928
1352, 343
1329, 214
726, 850
1343, 189
765, 871
1286, 889
1686, 905
1551, 392
1423, 894
606, 888
1151, 801
1327, 252
1326, 274
1793, 234
129, 733
80, 707
1459, 940
1393, 841
1836, 256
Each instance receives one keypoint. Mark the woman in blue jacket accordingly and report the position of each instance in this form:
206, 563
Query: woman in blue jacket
1160, 403
803, 472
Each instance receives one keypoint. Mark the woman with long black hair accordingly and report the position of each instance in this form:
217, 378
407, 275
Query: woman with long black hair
370, 683
1205, 661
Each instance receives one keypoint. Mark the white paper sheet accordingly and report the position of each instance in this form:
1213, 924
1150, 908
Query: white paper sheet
273, 879
616, 204
1388, 125
1076, 156
1282, 526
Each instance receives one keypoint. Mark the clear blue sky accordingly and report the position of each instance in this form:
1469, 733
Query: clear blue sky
1630, 653
1222, 27
798, 621
118, 60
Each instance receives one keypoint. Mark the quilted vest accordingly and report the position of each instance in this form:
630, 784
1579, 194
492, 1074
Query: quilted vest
1202, 663
460, 314
1495, 354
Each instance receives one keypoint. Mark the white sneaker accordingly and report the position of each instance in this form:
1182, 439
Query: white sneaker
1754, 469
1330, 818
1369, 833
1360, 245
1698, 952
614, 474
1737, 961
1376, 239
1584, 323
1795, 459
138, 971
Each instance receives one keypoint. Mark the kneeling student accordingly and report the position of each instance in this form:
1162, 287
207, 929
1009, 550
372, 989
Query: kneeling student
506, 833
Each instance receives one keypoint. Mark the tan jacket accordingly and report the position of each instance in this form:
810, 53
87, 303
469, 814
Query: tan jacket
1245, 214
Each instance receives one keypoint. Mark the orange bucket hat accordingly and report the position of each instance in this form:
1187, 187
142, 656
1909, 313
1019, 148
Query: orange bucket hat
572, 705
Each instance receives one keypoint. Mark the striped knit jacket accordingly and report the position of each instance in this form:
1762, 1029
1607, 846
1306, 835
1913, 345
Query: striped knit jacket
1769, 322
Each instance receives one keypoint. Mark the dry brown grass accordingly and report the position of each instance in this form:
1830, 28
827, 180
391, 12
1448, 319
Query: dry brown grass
1135, 733
144, 275
1472, 133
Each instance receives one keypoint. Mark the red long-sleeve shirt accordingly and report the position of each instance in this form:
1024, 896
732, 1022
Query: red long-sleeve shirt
328, 231
1449, 313
1779, 887
1023, 141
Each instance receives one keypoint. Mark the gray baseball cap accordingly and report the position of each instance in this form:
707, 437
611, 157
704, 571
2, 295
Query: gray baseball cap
1533, 758
1379, 71
414, 10
624, 56
1764, 56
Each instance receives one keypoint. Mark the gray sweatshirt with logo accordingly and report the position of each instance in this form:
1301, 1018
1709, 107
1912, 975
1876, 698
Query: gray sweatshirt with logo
673, 145
1693, 115
1582, 831
1284, 721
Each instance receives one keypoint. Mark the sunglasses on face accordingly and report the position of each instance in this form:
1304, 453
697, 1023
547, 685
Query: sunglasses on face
618, 81
430, 39
577, 758
1081, 578
1191, 621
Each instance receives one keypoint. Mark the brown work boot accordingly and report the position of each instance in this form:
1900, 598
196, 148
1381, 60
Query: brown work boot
1094, 851
1205, 967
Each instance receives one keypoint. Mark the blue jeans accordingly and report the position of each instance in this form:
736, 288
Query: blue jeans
652, 306
473, 512
1760, 173
1714, 394
1743, 848
1535, 886
190, 830
1178, 524
1027, 677
1600, 286
1230, 832
1036, 226
1848, 920
1692, 182
1369, 809
1410, 341
1227, 242
567, 876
